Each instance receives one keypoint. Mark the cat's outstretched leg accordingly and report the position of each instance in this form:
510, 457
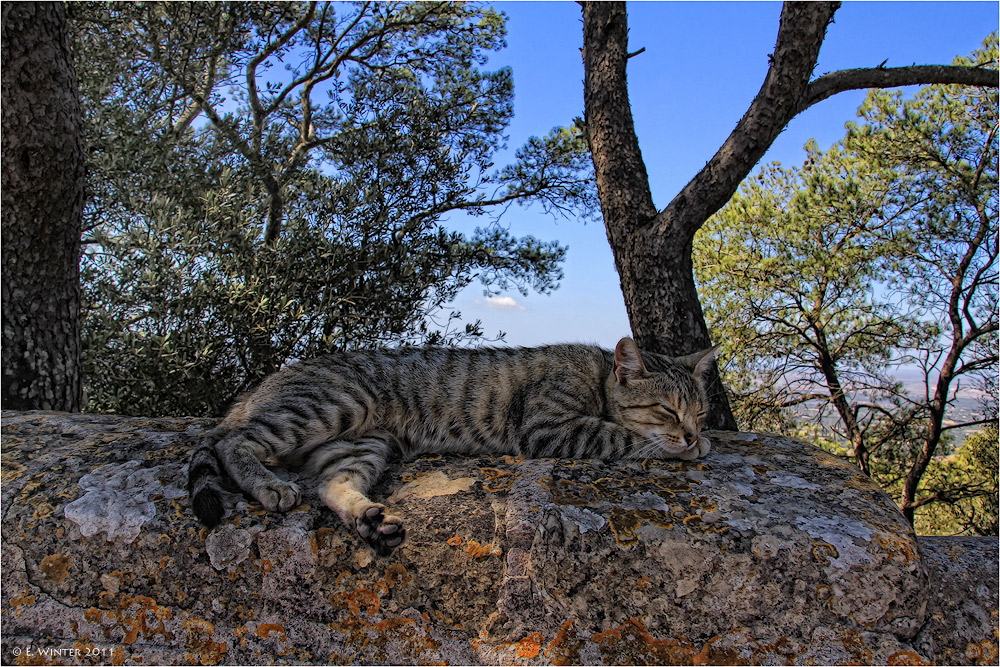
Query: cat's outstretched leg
349, 470
242, 457
382, 532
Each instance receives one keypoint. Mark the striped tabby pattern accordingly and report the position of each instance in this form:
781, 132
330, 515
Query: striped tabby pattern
343, 416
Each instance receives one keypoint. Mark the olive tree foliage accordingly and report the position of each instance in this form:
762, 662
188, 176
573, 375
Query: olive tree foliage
270, 181
826, 282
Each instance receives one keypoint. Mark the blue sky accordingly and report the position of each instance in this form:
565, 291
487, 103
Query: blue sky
704, 63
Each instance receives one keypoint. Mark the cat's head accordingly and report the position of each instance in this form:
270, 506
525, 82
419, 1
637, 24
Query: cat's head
665, 403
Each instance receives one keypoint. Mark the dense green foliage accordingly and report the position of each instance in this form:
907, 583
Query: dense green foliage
825, 283
965, 487
269, 181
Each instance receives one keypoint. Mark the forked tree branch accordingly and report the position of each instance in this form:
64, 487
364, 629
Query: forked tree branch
787, 92
801, 30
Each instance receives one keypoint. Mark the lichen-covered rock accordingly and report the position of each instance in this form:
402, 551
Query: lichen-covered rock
963, 605
767, 551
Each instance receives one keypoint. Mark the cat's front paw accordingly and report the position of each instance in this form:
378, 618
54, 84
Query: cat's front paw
703, 447
382, 532
278, 496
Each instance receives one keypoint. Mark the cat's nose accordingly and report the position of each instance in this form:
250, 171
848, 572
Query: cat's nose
691, 439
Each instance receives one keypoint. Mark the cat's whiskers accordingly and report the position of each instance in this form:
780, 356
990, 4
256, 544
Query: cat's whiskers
650, 445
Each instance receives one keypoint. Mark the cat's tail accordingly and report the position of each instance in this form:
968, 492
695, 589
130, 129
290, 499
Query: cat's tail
205, 481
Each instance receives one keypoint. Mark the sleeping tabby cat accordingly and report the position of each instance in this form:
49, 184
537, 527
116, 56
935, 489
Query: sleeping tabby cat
342, 416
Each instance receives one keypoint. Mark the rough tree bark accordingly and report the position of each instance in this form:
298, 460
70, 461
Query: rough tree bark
43, 193
652, 248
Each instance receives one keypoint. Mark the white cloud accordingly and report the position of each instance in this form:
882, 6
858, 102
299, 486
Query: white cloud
504, 302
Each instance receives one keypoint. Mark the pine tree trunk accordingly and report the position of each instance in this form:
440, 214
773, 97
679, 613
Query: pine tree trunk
42, 197
656, 273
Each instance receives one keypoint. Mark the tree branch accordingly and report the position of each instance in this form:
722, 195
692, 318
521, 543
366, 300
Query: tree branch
892, 77
977, 422
267, 52
194, 109
785, 93
800, 34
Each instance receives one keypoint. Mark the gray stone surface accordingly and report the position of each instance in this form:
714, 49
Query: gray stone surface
768, 551
962, 605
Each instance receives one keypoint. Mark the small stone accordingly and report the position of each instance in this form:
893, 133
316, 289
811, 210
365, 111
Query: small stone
686, 587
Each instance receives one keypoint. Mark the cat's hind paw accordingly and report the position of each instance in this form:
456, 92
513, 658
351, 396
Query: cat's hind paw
278, 495
382, 532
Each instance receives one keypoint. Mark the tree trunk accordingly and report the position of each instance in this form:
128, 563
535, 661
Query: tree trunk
656, 273
839, 399
43, 194
653, 249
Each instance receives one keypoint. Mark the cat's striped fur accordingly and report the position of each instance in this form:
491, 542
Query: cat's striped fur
342, 416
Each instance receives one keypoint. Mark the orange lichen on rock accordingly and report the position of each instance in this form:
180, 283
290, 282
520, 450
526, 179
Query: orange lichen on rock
983, 652
322, 539
530, 645
895, 545
632, 644
202, 648
568, 492
565, 648
43, 510
625, 522
477, 550
23, 599
496, 480
396, 576
55, 567
823, 552
362, 599
264, 630
142, 616
376, 642
11, 470
696, 524
416, 641
854, 643
907, 658
135, 617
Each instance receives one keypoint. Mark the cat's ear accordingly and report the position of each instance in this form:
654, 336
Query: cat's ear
628, 363
699, 362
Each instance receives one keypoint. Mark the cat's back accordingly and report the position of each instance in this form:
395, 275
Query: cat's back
441, 385
459, 369
478, 399
445, 366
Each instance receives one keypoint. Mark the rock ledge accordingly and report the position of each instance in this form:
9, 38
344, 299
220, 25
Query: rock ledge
767, 551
